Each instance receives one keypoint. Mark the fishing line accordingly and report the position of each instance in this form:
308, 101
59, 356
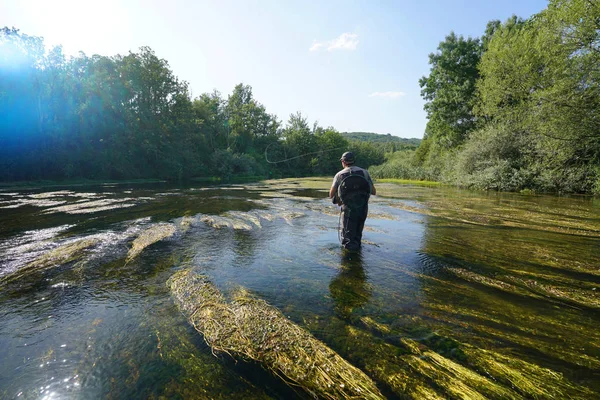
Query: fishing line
301, 155
307, 154
339, 224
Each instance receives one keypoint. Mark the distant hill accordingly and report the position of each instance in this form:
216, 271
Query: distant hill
380, 138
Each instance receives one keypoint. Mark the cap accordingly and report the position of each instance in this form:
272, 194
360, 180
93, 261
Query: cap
348, 157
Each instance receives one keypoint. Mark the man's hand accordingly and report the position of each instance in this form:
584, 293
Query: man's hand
332, 192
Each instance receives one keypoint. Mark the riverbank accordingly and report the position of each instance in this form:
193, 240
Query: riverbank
410, 182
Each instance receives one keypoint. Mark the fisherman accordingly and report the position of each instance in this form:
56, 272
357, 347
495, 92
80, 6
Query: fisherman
351, 189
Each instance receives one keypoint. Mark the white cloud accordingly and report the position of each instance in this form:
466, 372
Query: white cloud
346, 41
391, 95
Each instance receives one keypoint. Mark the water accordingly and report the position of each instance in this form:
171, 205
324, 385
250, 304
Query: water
454, 293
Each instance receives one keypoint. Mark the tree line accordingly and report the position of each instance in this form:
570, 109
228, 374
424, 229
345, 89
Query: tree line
130, 117
517, 109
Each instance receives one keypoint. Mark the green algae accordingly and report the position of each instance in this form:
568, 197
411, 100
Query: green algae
416, 368
220, 222
198, 373
529, 379
89, 207
490, 209
148, 237
63, 254
250, 328
290, 216
246, 217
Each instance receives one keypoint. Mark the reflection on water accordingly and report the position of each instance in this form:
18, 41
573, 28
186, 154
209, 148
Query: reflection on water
349, 288
454, 294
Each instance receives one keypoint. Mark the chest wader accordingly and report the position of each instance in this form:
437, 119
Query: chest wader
354, 192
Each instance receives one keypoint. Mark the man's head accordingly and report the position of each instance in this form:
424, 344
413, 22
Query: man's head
347, 158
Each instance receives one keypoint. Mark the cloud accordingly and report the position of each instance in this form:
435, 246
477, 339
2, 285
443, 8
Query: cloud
346, 41
391, 95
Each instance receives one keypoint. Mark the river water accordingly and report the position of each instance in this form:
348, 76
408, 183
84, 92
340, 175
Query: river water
455, 294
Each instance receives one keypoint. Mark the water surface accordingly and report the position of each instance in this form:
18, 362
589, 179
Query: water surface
455, 294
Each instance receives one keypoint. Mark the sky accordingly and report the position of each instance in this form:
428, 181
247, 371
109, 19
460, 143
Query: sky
353, 65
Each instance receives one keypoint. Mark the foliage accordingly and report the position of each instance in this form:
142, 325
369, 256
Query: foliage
381, 138
400, 165
543, 79
492, 159
519, 108
129, 117
450, 89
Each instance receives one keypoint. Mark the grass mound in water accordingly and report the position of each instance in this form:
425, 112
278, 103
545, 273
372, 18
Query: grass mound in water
250, 328
149, 236
62, 254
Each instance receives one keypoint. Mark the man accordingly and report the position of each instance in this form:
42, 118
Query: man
354, 201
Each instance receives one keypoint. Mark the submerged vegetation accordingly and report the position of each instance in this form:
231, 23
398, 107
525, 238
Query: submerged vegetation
150, 236
63, 254
248, 327
454, 295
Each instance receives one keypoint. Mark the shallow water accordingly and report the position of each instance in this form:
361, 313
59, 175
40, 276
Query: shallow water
455, 294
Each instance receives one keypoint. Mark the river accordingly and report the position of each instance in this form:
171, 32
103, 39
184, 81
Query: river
455, 294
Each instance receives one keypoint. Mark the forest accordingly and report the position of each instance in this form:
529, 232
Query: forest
129, 117
517, 109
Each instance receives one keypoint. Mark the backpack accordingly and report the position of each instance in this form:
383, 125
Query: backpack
354, 190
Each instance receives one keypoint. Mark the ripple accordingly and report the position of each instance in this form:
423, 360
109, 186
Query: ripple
87, 207
35, 203
20, 250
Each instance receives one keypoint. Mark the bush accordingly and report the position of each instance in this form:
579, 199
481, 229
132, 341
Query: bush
491, 160
574, 179
226, 163
400, 165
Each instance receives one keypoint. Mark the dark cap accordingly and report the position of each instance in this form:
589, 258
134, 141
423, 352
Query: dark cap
348, 157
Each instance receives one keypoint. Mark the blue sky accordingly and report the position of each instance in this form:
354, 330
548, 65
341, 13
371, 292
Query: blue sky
353, 65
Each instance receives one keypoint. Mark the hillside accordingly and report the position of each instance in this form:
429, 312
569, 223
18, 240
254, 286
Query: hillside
380, 138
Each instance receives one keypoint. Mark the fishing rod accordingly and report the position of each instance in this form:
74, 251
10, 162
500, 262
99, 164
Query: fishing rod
307, 154
301, 155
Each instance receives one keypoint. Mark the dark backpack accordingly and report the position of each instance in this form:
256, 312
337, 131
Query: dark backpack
354, 190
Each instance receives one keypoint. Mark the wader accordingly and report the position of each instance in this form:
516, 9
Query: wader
354, 191
353, 222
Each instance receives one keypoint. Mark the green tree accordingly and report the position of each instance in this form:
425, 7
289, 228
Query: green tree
248, 121
541, 79
449, 90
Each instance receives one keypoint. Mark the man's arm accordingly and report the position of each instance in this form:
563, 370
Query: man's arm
333, 191
373, 190
334, 187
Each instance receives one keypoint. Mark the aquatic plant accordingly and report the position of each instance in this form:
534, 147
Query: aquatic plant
199, 374
245, 216
149, 236
222, 222
88, 207
62, 254
249, 328
418, 369
289, 216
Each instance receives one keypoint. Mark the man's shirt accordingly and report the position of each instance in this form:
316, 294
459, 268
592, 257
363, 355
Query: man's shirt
353, 168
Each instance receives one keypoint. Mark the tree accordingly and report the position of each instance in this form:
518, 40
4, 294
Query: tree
248, 121
543, 81
450, 89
